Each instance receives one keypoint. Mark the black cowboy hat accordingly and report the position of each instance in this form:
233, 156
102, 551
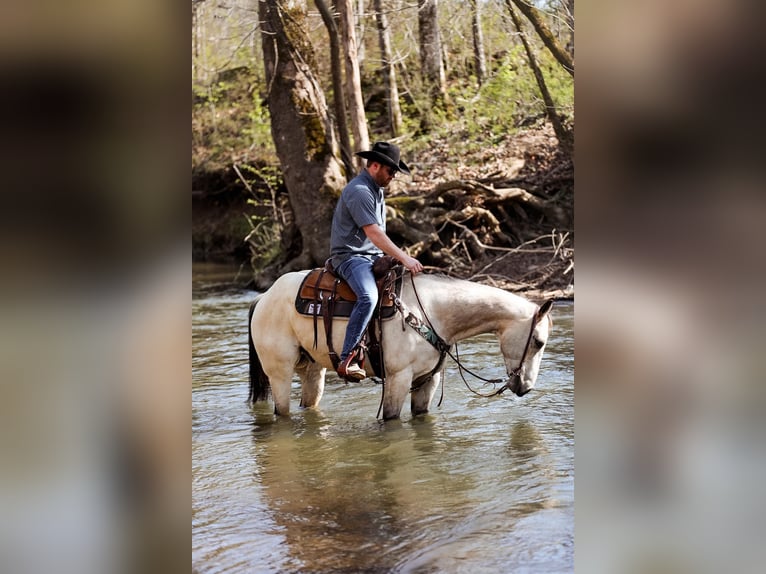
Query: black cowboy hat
387, 154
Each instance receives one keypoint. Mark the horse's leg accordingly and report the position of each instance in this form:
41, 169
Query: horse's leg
421, 399
280, 365
397, 387
280, 392
312, 383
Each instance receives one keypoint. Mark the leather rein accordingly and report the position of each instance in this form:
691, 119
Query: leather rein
444, 348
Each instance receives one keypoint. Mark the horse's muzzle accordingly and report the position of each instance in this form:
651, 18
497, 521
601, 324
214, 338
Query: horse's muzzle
516, 386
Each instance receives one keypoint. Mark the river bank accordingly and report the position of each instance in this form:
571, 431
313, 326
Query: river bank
499, 213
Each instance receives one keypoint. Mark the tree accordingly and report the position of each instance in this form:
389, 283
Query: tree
480, 64
339, 101
353, 78
561, 132
536, 18
570, 23
431, 63
359, 18
290, 173
389, 70
302, 131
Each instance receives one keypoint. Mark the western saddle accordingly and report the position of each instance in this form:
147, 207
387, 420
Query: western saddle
323, 292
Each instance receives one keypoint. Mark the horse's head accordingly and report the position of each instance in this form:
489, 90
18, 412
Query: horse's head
522, 345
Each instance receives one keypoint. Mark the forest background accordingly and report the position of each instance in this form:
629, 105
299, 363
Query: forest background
478, 95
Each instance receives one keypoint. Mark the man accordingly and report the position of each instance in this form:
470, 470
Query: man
358, 238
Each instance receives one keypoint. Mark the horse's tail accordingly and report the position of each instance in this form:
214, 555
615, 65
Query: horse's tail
259, 382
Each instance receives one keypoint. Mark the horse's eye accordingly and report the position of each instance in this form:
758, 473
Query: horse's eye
538, 343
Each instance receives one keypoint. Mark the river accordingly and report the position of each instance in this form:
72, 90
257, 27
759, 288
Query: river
477, 485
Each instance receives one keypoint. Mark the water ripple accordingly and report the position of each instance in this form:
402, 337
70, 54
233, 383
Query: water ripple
478, 485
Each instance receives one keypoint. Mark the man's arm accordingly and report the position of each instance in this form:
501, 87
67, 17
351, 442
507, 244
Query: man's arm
383, 242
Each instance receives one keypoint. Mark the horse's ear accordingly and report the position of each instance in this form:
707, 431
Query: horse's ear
545, 307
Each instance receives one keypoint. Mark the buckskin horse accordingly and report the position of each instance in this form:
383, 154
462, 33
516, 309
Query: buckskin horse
444, 310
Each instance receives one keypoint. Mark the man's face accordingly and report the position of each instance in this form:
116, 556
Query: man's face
382, 174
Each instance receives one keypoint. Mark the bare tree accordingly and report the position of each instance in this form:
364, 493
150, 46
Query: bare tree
480, 63
353, 78
339, 101
359, 19
570, 23
431, 63
537, 20
389, 70
563, 135
301, 129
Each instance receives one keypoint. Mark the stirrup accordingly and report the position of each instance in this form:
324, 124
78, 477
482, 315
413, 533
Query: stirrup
351, 371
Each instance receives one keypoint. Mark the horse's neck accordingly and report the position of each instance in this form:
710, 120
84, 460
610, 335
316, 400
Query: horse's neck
461, 309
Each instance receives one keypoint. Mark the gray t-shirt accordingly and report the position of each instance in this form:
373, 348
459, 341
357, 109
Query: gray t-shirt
361, 203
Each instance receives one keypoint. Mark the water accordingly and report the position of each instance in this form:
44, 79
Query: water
478, 485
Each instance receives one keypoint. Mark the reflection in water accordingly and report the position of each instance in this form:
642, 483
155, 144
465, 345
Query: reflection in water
345, 498
478, 485
524, 449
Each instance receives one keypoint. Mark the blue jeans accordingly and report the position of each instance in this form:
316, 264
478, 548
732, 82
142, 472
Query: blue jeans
357, 271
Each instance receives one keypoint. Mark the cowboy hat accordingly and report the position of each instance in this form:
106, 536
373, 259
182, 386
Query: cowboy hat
387, 154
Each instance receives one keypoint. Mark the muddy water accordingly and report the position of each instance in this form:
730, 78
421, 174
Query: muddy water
478, 485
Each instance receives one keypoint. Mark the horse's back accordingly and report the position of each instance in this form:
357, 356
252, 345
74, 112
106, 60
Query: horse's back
286, 285
280, 297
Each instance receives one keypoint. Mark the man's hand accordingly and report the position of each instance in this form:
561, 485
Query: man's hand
412, 264
379, 238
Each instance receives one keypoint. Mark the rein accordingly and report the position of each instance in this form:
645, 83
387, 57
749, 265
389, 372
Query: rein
444, 348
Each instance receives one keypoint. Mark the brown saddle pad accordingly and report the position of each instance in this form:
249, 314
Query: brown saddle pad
345, 298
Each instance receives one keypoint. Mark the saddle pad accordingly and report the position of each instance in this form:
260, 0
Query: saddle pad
345, 298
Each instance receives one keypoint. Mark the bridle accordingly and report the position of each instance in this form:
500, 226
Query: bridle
444, 348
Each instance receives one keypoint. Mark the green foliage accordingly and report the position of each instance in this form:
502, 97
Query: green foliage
266, 224
264, 240
230, 121
511, 95
268, 177
210, 94
258, 130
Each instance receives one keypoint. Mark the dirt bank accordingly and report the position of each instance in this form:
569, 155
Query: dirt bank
499, 212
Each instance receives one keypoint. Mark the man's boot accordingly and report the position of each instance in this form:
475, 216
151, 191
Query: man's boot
350, 370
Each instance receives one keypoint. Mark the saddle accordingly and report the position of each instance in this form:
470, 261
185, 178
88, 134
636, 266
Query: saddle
323, 292
322, 283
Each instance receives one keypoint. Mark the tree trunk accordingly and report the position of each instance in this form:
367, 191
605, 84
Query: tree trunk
570, 23
201, 66
301, 128
431, 64
353, 79
359, 18
480, 64
195, 40
563, 135
339, 102
534, 16
389, 71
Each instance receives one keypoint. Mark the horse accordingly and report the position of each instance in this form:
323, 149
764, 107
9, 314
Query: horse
282, 341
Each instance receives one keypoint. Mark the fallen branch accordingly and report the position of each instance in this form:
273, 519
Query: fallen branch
492, 196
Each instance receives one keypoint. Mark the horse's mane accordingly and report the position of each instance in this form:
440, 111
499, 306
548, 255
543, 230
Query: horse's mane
442, 277
450, 279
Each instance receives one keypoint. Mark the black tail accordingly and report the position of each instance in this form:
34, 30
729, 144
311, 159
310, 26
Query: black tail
259, 382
